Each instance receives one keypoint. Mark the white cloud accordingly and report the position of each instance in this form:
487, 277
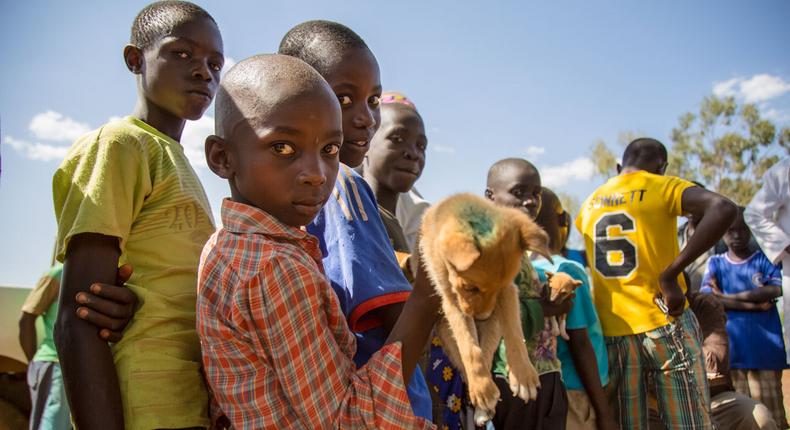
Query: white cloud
37, 151
535, 151
53, 126
758, 88
445, 149
726, 88
193, 139
776, 115
579, 169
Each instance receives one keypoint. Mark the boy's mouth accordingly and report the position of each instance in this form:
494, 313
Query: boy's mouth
358, 143
308, 207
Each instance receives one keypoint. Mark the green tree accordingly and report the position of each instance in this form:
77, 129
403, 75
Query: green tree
724, 146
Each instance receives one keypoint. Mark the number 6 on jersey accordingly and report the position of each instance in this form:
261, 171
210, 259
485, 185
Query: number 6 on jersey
614, 257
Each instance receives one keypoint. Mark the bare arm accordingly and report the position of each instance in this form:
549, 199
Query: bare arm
731, 304
27, 334
86, 361
757, 295
413, 327
586, 366
715, 213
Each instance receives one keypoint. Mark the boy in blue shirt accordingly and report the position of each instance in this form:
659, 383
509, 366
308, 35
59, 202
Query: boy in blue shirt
747, 284
358, 256
585, 364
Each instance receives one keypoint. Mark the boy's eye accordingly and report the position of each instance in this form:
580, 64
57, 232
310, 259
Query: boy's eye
332, 149
215, 67
422, 145
396, 138
283, 149
375, 100
344, 100
182, 54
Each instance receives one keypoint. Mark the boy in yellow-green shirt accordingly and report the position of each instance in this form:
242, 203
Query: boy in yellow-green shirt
126, 193
629, 226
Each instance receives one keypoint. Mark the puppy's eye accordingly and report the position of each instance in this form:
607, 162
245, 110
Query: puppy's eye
471, 289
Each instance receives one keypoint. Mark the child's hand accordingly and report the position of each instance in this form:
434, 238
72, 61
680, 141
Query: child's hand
560, 307
109, 307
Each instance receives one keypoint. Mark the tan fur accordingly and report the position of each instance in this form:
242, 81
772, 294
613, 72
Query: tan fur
561, 286
472, 251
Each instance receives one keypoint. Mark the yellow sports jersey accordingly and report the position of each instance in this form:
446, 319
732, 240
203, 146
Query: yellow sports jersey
130, 181
629, 226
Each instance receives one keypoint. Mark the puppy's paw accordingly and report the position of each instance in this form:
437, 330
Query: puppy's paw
482, 417
484, 395
525, 382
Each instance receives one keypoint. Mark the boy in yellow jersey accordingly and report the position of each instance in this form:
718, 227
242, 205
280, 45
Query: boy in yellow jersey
629, 226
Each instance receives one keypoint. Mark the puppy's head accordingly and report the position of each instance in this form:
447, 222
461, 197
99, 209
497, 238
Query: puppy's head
483, 248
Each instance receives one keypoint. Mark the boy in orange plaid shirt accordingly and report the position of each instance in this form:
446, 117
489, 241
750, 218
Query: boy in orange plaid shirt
277, 349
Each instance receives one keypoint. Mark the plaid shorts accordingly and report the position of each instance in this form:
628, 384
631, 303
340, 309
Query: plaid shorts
668, 358
765, 386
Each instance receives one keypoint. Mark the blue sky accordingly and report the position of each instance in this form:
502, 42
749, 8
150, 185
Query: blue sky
542, 80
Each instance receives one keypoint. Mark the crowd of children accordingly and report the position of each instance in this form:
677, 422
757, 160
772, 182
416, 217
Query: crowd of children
309, 307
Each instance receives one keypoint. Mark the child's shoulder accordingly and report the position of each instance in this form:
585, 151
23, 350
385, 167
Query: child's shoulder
125, 135
249, 256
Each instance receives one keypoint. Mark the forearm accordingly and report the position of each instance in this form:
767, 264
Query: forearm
86, 361
716, 214
27, 335
586, 366
417, 318
389, 315
731, 304
757, 295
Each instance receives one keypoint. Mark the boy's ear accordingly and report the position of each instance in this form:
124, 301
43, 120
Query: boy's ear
619, 168
218, 157
133, 57
489, 194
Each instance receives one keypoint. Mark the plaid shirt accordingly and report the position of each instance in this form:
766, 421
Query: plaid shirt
276, 347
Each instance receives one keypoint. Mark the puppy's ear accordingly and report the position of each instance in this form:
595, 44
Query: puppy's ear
460, 250
533, 238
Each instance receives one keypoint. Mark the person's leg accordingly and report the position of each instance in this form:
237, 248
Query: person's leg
673, 358
734, 411
39, 375
740, 381
766, 387
581, 415
555, 414
626, 387
56, 414
511, 412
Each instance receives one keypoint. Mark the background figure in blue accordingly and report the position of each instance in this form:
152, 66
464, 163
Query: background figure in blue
747, 284
50, 409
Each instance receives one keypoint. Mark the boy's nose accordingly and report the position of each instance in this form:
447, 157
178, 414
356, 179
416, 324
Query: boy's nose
202, 71
365, 117
314, 172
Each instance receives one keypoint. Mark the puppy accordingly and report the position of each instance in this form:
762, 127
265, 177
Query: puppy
561, 286
472, 251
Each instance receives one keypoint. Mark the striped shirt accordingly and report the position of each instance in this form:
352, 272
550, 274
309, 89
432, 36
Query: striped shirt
276, 347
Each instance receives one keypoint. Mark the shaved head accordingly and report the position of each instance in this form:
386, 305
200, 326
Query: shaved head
506, 167
258, 85
646, 154
320, 43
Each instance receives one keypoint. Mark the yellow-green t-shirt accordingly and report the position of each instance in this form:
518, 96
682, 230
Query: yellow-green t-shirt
130, 181
629, 226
